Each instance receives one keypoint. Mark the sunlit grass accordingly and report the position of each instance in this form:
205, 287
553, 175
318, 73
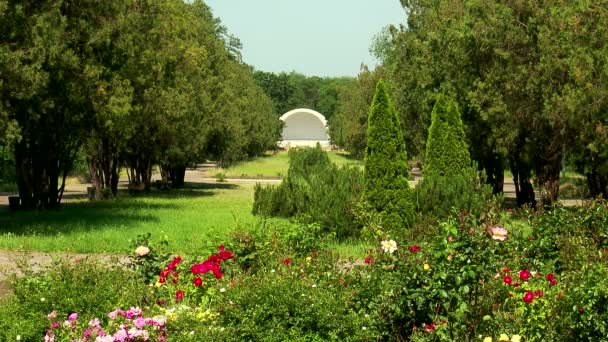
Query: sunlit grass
273, 165
349, 249
191, 219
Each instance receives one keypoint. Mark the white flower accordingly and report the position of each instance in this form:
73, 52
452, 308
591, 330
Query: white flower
389, 246
223, 289
142, 251
314, 285
42, 299
18, 337
271, 271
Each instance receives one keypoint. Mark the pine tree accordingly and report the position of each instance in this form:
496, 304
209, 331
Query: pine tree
447, 152
386, 189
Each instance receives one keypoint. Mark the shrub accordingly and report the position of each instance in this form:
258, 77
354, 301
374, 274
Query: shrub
386, 187
438, 195
447, 152
314, 191
294, 301
449, 179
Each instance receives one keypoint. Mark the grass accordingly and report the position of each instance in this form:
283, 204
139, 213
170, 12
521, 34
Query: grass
8, 187
273, 165
192, 219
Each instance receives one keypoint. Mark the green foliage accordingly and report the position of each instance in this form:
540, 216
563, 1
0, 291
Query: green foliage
447, 152
293, 90
90, 288
297, 306
314, 191
386, 187
585, 307
438, 195
348, 126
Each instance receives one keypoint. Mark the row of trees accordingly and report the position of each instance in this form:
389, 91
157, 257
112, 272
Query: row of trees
293, 90
529, 78
129, 83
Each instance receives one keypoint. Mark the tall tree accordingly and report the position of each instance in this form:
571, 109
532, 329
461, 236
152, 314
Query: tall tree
348, 126
447, 152
45, 87
386, 187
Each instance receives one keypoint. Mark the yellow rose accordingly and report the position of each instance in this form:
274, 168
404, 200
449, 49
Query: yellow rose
487, 339
426, 267
516, 338
503, 337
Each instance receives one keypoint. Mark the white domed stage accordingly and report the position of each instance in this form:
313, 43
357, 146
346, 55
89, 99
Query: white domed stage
304, 128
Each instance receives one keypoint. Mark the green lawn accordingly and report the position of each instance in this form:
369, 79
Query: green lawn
192, 219
273, 165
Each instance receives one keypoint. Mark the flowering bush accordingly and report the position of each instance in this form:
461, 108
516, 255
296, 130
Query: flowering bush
175, 283
129, 325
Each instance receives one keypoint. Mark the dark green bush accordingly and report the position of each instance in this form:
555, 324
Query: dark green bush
438, 195
314, 191
386, 188
447, 152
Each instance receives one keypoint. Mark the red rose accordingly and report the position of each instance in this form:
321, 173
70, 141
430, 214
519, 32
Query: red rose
553, 282
225, 255
524, 275
179, 295
177, 260
164, 273
507, 280
162, 280
429, 327
516, 285
550, 276
538, 293
506, 270
287, 261
529, 297
198, 281
217, 273
413, 248
581, 310
369, 260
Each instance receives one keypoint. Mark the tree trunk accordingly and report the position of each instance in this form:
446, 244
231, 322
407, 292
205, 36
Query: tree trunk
522, 174
598, 183
178, 173
495, 173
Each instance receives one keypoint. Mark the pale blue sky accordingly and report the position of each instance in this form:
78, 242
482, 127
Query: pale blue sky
313, 37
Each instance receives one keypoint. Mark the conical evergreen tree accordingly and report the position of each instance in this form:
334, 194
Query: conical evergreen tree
386, 189
447, 152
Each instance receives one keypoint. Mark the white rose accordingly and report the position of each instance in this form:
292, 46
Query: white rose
142, 251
